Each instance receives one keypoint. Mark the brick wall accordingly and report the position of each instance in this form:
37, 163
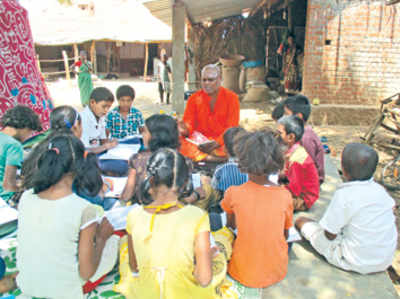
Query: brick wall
352, 51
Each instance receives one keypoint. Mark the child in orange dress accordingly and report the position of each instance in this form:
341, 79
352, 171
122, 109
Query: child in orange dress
262, 213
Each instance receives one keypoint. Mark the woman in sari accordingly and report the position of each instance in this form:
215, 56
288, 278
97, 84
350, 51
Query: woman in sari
290, 66
84, 78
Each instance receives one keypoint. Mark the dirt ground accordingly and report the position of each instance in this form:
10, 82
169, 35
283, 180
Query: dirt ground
253, 116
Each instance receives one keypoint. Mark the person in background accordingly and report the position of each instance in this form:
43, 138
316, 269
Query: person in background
290, 53
124, 120
18, 124
300, 169
84, 77
299, 105
358, 230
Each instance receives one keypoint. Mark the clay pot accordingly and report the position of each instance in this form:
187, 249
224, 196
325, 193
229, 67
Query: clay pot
257, 93
231, 60
230, 78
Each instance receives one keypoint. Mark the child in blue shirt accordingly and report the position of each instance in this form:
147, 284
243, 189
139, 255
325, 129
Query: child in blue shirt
228, 174
124, 120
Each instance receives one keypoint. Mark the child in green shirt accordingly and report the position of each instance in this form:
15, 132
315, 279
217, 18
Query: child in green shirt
17, 123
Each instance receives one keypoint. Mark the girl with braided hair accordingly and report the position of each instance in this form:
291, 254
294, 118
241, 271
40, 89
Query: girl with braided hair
168, 242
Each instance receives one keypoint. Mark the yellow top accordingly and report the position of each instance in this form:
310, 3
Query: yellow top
166, 260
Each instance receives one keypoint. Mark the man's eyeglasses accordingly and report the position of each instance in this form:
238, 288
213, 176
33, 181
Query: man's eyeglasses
208, 79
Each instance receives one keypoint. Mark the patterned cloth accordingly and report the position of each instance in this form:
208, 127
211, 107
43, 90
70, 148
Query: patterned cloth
20, 80
120, 127
8, 248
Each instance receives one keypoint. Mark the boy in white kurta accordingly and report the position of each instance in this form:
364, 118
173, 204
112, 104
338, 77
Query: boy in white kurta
358, 231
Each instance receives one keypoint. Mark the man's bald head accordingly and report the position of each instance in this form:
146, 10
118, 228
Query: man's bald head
359, 161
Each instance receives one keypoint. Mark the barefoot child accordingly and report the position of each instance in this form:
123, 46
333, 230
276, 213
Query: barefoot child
358, 231
60, 243
262, 213
169, 243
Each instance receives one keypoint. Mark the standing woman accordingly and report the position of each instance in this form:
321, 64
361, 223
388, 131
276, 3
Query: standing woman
290, 67
84, 78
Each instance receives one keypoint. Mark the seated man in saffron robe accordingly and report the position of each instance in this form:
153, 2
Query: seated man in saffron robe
210, 111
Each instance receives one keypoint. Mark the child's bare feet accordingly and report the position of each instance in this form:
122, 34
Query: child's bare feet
8, 283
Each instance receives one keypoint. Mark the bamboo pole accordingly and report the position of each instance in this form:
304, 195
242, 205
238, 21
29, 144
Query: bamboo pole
67, 74
146, 60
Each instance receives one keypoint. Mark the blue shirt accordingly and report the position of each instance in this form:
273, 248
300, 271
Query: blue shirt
228, 175
120, 127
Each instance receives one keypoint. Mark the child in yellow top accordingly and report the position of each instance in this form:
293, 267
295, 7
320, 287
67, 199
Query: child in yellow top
168, 243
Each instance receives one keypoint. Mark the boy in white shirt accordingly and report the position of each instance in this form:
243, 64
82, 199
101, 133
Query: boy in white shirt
93, 121
358, 231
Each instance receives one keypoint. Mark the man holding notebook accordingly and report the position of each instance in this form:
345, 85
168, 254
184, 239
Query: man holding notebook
208, 114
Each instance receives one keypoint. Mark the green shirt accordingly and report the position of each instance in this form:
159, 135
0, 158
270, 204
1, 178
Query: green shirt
11, 153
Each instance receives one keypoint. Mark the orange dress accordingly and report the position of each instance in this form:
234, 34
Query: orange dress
260, 252
199, 117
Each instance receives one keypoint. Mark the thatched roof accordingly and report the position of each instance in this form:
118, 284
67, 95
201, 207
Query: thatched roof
113, 20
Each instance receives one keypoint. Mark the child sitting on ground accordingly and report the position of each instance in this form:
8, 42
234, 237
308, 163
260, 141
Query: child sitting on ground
300, 106
358, 231
66, 120
93, 121
59, 229
262, 213
124, 120
18, 124
299, 169
228, 174
169, 243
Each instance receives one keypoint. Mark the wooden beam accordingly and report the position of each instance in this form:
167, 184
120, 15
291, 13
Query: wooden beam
146, 60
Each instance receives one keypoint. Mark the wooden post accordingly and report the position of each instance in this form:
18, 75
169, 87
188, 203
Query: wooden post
93, 56
178, 52
76, 52
289, 15
108, 56
67, 74
38, 63
146, 60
